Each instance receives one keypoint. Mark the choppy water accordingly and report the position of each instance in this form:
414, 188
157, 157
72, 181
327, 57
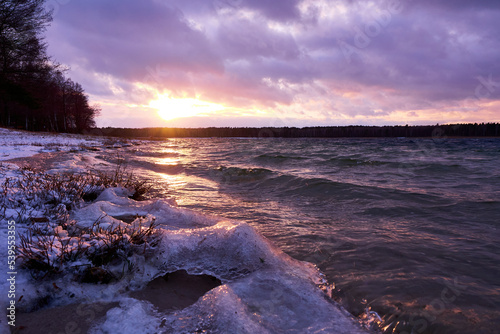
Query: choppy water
407, 229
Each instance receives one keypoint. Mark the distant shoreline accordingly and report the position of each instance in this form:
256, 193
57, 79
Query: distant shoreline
488, 130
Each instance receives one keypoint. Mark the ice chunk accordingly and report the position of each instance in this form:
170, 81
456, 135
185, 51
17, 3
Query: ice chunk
132, 317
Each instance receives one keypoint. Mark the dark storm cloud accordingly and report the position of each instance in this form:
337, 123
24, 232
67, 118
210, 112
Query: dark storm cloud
437, 57
461, 4
123, 38
244, 39
281, 10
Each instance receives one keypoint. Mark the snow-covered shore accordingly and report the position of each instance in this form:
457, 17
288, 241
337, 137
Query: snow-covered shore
19, 144
262, 289
23, 207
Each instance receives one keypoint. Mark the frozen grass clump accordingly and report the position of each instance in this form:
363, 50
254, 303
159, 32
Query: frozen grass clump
67, 248
34, 193
52, 244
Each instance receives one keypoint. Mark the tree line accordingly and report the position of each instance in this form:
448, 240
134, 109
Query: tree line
354, 131
35, 95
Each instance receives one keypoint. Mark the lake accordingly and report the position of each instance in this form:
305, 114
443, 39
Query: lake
405, 230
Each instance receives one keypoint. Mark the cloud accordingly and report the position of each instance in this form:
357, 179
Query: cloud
313, 60
455, 5
122, 37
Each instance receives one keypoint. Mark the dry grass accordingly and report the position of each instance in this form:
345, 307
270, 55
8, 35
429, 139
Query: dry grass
51, 242
36, 191
48, 254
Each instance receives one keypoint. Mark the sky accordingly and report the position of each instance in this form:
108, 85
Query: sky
201, 63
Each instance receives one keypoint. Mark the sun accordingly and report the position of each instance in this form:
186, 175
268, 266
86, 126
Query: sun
170, 108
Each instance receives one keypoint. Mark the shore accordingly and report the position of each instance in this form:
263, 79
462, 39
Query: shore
40, 161
174, 291
168, 293
81, 284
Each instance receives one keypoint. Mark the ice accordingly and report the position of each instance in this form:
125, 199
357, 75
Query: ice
80, 163
263, 291
219, 311
19, 144
132, 317
264, 302
115, 202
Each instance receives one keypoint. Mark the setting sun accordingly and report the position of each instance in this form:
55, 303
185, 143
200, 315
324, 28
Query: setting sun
170, 108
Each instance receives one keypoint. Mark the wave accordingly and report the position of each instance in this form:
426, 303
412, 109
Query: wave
323, 188
171, 169
441, 168
278, 157
350, 162
151, 153
237, 174
280, 185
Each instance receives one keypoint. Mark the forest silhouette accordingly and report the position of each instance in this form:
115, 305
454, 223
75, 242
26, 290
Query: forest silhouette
359, 131
34, 92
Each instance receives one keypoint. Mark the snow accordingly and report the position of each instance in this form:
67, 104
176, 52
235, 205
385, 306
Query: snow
263, 291
19, 144
132, 317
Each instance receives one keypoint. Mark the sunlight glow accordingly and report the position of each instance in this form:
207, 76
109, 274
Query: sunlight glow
170, 108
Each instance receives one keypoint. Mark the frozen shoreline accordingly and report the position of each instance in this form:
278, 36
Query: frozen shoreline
262, 289
167, 293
